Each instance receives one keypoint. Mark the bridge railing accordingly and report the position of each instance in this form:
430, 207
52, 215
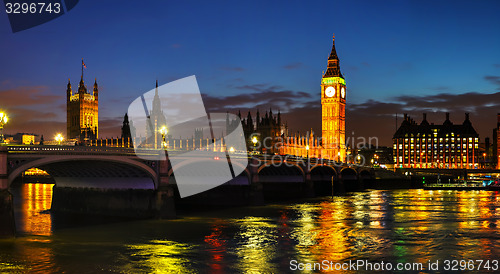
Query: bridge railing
69, 149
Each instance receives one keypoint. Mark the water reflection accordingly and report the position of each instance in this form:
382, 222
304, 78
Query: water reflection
32, 204
256, 244
405, 226
159, 256
217, 245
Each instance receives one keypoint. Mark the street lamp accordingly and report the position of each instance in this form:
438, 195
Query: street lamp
163, 132
307, 149
231, 149
3, 120
254, 141
59, 138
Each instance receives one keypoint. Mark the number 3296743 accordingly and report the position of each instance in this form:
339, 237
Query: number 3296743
41, 7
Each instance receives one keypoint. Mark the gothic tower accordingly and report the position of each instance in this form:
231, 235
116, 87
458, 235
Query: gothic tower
333, 98
82, 112
156, 122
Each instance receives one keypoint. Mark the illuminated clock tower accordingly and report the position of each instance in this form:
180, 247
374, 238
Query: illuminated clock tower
333, 96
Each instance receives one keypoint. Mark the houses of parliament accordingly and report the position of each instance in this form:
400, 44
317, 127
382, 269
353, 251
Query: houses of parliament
82, 118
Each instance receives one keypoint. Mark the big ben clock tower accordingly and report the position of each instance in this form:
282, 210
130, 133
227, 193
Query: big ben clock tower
333, 96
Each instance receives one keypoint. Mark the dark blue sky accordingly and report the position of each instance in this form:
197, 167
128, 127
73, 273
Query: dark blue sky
392, 53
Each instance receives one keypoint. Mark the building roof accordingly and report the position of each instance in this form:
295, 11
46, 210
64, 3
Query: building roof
409, 128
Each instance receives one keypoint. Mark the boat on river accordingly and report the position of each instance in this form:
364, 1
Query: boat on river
460, 184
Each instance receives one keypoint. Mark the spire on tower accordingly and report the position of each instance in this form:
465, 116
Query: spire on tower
333, 53
156, 89
68, 90
333, 69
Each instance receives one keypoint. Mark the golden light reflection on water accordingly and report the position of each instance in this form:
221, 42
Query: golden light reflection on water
37, 199
160, 256
256, 244
34, 222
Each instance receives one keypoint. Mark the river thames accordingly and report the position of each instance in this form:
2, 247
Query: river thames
397, 227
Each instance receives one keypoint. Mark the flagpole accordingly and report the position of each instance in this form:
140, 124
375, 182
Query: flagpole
82, 68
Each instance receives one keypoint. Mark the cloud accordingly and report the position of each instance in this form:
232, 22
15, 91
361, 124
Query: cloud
261, 96
33, 110
440, 88
493, 79
295, 65
27, 96
236, 69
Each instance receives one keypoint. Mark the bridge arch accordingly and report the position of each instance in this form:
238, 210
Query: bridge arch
323, 169
365, 173
321, 177
282, 165
349, 172
90, 165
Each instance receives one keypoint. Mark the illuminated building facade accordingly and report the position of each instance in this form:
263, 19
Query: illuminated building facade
496, 143
82, 112
427, 145
268, 129
333, 99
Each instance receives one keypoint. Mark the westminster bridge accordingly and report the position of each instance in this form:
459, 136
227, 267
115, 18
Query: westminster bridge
121, 181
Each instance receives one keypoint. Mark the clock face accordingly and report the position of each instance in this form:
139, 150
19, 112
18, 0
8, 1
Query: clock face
342, 92
330, 91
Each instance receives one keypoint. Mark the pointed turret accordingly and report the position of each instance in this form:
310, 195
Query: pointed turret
96, 90
250, 121
424, 120
447, 122
257, 120
126, 133
81, 86
333, 69
68, 90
